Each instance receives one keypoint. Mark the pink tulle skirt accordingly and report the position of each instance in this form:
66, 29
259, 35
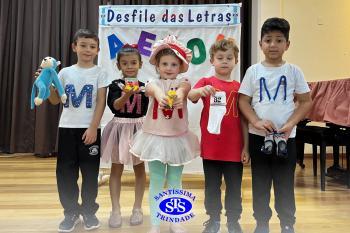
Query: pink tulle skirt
116, 139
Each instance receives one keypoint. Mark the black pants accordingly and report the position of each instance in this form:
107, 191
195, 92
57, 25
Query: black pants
268, 170
232, 172
73, 155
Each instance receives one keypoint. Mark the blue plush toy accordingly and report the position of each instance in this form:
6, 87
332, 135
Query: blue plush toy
42, 84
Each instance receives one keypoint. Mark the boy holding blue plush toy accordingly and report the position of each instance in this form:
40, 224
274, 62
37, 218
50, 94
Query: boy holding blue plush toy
79, 133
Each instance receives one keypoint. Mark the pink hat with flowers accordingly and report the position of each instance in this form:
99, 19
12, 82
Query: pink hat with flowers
180, 50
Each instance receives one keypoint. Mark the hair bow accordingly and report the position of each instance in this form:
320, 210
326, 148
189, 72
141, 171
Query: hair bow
135, 46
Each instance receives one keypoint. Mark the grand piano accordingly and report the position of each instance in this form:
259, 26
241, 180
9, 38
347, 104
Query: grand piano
331, 105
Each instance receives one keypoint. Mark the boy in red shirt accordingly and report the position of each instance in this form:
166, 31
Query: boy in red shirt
224, 145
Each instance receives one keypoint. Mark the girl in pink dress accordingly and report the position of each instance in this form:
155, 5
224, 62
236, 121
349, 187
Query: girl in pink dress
165, 141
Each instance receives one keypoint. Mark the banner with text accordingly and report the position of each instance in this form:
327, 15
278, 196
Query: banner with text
197, 26
165, 15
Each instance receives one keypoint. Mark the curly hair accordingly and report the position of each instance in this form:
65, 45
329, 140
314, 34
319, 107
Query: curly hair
224, 45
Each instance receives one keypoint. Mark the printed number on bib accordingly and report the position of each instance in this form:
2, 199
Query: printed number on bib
218, 99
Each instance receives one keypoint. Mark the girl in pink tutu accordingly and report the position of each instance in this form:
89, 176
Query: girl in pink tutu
128, 103
165, 141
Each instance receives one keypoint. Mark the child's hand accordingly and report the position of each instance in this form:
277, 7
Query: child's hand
207, 90
37, 72
245, 157
265, 125
178, 102
162, 99
286, 130
90, 136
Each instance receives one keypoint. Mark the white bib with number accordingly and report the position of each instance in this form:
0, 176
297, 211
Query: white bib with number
216, 112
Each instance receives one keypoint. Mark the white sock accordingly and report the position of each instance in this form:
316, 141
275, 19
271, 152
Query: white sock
216, 112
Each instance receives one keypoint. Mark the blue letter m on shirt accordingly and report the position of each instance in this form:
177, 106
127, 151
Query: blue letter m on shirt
76, 101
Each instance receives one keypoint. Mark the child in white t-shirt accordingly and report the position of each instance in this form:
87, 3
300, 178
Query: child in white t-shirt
266, 99
79, 133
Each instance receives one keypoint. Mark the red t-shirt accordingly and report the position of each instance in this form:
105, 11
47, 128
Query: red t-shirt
226, 146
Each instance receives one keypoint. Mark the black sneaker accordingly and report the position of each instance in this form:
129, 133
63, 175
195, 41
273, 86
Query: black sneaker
262, 227
211, 226
234, 227
69, 222
90, 222
281, 147
267, 147
287, 229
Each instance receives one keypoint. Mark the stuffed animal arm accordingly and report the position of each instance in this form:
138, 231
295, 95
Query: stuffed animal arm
42, 84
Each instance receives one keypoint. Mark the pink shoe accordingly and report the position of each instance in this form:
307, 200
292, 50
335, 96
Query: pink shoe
115, 220
154, 229
136, 217
177, 228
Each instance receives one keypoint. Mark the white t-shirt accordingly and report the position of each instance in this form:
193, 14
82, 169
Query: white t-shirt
80, 85
261, 83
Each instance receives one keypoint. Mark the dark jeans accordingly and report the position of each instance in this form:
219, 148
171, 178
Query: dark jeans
73, 155
268, 170
232, 172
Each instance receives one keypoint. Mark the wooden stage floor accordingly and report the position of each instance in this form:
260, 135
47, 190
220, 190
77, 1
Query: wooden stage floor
29, 201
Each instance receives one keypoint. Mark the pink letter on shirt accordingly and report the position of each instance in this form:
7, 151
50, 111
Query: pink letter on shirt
130, 106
